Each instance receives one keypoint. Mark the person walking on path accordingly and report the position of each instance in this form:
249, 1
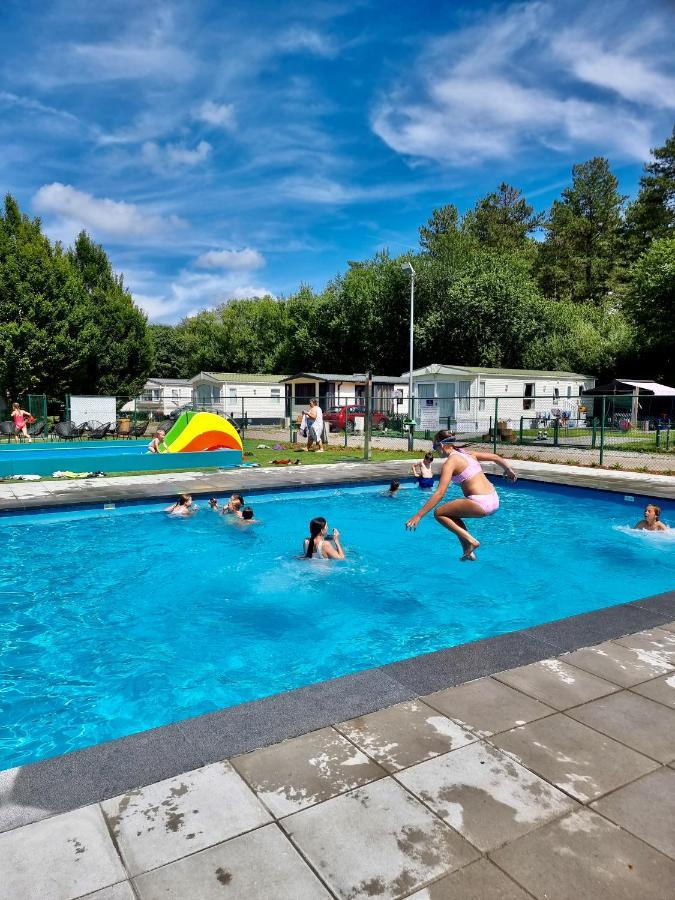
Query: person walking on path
314, 416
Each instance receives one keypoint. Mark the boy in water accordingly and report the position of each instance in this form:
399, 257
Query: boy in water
652, 520
393, 488
234, 506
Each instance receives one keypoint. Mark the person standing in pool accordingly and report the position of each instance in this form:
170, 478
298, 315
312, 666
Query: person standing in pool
234, 506
20, 417
318, 545
480, 498
652, 520
423, 471
182, 507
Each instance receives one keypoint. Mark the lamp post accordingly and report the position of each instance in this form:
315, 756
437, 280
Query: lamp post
407, 267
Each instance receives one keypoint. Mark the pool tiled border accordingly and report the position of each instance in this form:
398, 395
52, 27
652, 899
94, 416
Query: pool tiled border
63, 783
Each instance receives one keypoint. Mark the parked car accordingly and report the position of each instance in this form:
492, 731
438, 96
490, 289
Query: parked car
336, 416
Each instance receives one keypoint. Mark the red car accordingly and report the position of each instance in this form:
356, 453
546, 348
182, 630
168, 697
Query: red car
335, 417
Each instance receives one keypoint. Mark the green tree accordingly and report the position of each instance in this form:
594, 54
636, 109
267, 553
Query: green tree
579, 259
503, 220
170, 352
115, 353
650, 304
444, 221
38, 291
652, 215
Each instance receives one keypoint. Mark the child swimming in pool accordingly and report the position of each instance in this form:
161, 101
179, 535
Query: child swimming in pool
234, 506
318, 545
393, 488
182, 507
480, 498
652, 520
423, 471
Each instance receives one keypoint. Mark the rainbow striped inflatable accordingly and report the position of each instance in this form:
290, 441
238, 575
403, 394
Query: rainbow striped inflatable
201, 431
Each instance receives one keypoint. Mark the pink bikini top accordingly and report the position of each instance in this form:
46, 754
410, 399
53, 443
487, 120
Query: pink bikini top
471, 468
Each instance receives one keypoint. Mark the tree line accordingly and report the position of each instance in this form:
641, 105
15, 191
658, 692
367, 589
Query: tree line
588, 286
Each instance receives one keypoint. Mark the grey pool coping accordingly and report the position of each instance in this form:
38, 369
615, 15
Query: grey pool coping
63, 783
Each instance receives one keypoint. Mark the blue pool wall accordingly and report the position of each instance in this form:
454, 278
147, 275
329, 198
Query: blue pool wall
106, 456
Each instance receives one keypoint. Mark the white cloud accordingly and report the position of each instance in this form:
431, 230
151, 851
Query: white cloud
234, 260
298, 38
175, 155
518, 82
193, 291
101, 215
221, 115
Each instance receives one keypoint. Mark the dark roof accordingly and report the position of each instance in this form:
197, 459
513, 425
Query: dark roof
626, 387
354, 376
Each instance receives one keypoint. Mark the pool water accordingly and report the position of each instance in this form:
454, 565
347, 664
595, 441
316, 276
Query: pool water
112, 622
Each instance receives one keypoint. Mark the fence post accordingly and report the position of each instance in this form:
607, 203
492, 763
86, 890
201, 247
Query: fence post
243, 420
602, 431
345, 429
369, 417
556, 431
668, 438
594, 423
495, 426
520, 431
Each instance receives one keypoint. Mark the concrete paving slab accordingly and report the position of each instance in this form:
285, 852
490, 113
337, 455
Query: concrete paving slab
556, 683
60, 858
405, 734
484, 795
668, 626
646, 808
302, 771
622, 665
655, 644
584, 855
120, 891
479, 881
661, 689
260, 865
487, 706
173, 818
377, 841
638, 722
572, 756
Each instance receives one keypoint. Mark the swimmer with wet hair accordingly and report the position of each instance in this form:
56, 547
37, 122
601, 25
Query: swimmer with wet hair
652, 520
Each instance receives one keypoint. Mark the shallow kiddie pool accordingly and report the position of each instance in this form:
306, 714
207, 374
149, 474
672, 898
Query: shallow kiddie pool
138, 620
103, 456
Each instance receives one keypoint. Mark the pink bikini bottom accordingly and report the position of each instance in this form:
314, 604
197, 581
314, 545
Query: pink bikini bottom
489, 503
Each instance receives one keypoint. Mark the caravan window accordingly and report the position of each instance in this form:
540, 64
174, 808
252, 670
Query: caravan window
464, 395
275, 395
481, 400
528, 396
556, 394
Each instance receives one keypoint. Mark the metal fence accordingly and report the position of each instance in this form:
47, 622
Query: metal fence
619, 432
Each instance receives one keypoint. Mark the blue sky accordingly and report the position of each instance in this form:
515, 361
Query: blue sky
222, 150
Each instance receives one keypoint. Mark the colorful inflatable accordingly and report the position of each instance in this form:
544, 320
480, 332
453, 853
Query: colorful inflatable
201, 431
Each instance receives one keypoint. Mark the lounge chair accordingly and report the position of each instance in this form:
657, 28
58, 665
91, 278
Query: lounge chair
99, 432
138, 430
67, 431
8, 429
38, 428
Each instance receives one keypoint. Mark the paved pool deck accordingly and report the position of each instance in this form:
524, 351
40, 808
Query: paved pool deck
554, 779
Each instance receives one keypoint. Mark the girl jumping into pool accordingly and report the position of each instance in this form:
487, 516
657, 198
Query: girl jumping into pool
480, 498
318, 545
20, 418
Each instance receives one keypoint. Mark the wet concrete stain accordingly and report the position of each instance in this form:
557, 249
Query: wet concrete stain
223, 877
79, 847
179, 791
420, 845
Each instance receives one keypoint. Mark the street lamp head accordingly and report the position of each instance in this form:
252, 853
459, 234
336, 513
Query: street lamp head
407, 267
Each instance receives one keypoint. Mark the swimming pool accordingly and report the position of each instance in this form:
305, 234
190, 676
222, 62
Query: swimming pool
115, 621
44, 458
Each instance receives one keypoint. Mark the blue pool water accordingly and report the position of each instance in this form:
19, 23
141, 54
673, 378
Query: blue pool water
114, 622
